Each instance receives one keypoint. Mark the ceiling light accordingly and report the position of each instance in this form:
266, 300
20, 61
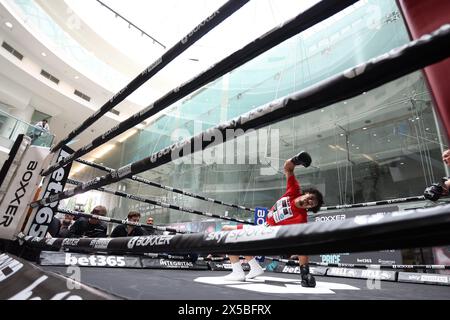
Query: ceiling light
364, 128
402, 163
43, 54
8, 24
77, 77
374, 134
341, 134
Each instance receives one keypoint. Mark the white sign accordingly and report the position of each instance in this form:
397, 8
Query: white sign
21, 190
277, 285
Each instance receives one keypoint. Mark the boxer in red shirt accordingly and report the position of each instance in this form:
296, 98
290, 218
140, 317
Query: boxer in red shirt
291, 208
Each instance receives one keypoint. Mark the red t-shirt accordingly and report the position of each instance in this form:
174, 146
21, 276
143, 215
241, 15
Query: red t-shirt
284, 210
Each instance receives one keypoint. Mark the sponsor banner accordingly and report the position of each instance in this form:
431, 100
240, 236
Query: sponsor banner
22, 280
42, 215
374, 257
162, 263
51, 258
260, 219
21, 191
317, 271
10, 165
282, 267
260, 215
374, 274
345, 214
225, 266
149, 241
385, 257
252, 234
426, 278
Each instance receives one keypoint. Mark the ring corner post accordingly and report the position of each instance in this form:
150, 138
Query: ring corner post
422, 17
19, 185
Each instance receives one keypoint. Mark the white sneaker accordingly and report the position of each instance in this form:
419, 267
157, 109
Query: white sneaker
235, 276
255, 272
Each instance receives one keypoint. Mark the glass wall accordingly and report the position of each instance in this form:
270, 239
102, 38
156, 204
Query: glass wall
383, 144
359, 33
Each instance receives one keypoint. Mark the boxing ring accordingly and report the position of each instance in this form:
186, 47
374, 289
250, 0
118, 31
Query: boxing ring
163, 267
201, 285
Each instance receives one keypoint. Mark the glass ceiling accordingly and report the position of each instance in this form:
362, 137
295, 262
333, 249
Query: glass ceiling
60, 43
344, 40
168, 21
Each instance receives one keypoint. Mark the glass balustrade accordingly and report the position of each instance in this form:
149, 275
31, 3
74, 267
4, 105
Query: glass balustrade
11, 127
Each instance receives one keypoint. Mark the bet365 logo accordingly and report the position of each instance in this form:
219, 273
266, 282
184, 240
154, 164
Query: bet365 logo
94, 261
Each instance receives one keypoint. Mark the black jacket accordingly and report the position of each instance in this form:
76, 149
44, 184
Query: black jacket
53, 227
121, 231
64, 231
82, 228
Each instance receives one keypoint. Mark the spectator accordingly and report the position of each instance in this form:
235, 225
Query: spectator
53, 228
127, 230
66, 223
149, 231
90, 228
446, 157
149, 220
43, 125
39, 129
